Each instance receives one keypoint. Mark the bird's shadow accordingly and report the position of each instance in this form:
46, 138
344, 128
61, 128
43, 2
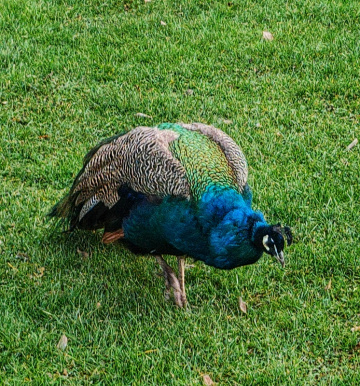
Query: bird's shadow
125, 281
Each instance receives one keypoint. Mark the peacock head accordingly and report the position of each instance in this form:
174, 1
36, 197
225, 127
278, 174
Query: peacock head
273, 242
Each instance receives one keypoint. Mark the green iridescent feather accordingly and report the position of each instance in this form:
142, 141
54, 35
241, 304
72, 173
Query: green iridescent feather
204, 162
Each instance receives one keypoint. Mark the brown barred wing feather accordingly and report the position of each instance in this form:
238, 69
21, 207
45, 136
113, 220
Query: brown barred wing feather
139, 159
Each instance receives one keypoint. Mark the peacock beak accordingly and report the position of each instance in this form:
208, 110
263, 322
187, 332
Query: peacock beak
280, 258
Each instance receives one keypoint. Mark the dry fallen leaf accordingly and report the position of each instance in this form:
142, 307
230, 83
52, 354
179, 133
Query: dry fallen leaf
189, 91
41, 271
12, 267
98, 305
162, 23
45, 136
268, 35
150, 351
356, 328
65, 372
147, 1
207, 380
227, 121
328, 286
352, 144
142, 115
62, 342
22, 256
242, 305
83, 254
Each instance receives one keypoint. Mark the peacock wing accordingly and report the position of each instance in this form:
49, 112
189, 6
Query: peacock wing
139, 160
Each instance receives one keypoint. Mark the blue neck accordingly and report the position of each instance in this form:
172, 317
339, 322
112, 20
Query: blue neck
232, 229
219, 230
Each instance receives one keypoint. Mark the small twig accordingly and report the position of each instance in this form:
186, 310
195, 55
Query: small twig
352, 144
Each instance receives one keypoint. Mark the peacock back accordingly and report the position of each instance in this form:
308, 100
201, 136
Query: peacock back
202, 158
170, 160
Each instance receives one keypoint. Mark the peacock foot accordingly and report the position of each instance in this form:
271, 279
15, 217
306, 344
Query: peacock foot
172, 283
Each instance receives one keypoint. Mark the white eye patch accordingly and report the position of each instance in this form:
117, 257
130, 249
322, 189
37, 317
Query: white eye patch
265, 241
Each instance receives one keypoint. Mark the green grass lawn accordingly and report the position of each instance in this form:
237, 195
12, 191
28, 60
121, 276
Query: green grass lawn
74, 72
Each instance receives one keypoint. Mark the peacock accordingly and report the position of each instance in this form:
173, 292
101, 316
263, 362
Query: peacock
175, 189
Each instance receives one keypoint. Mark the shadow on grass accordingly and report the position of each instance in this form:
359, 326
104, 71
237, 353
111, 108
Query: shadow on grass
85, 268
127, 282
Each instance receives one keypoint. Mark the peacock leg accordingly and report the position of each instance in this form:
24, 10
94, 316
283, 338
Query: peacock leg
181, 266
171, 281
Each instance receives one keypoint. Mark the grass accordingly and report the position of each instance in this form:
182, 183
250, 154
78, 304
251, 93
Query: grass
74, 72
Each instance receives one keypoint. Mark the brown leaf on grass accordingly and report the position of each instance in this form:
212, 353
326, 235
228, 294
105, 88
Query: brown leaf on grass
268, 35
142, 115
41, 271
328, 286
355, 328
62, 342
150, 351
12, 267
227, 121
242, 305
147, 1
189, 91
207, 380
352, 144
162, 23
83, 254
45, 136
98, 305
22, 256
